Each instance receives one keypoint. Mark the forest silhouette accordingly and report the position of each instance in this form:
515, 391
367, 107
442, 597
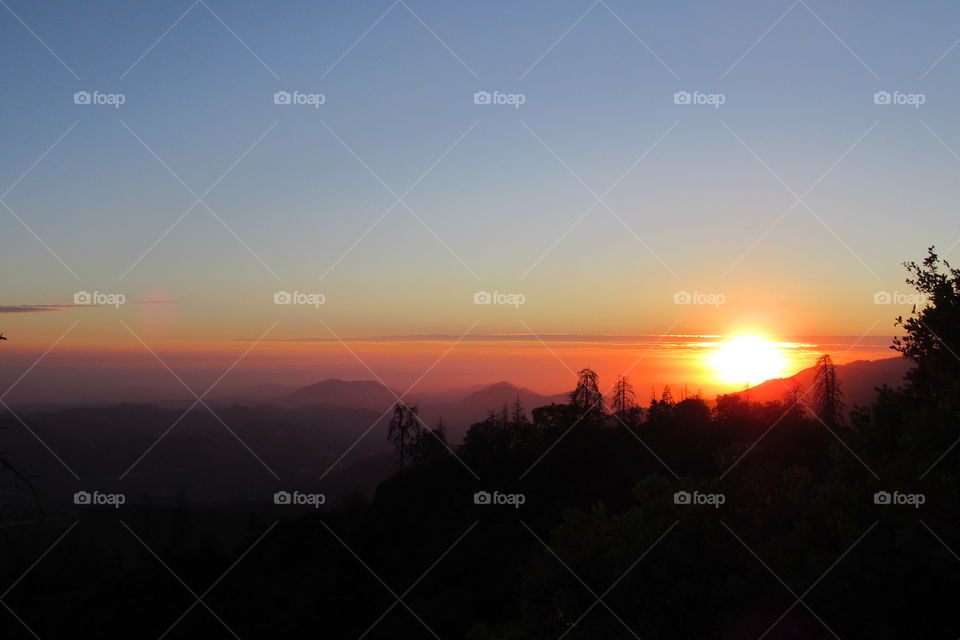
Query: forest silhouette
676, 519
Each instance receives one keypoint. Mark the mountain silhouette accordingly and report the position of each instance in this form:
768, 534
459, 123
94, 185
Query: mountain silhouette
201, 455
495, 395
459, 408
474, 406
858, 380
351, 394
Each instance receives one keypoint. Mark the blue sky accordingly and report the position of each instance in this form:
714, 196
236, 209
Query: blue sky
495, 212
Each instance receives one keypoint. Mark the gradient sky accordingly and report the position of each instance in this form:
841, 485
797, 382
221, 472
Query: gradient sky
700, 201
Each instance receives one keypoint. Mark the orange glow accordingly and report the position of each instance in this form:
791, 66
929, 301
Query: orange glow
748, 360
103, 361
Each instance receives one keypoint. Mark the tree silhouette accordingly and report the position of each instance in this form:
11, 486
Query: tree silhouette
660, 410
404, 429
624, 398
933, 333
429, 445
793, 398
827, 396
518, 416
666, 397
586, 395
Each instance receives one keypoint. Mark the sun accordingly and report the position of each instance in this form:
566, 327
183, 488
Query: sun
748, 360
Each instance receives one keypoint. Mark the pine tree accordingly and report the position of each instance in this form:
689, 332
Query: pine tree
827, 396
430, 445
519, 417
666, 398
662, 409
587, 395
624, 398
404, 429
793, 399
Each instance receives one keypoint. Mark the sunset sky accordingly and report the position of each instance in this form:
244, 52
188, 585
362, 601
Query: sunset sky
598, 200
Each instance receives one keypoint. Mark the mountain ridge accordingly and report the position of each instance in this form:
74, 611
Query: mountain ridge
859, 380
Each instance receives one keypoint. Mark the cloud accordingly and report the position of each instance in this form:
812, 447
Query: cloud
613, 341
37, 308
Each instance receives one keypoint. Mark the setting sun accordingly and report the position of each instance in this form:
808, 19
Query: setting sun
748, 360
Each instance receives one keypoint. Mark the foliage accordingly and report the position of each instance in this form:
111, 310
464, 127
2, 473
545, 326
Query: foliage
404, 429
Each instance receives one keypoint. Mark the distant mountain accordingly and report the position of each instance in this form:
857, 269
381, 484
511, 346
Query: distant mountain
459, 408
495, 395
858, 381
299, 435
351, 394
458, 415
259, 392
451, 395
230, 456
